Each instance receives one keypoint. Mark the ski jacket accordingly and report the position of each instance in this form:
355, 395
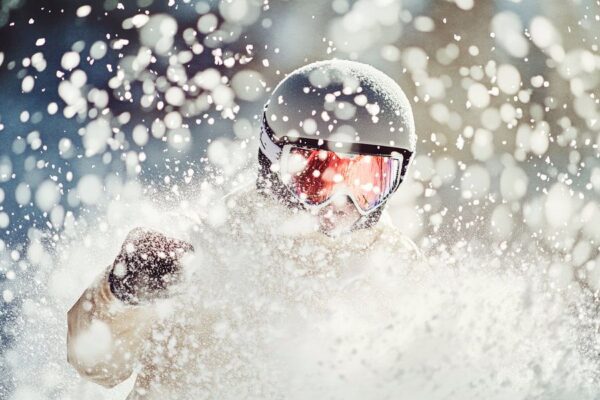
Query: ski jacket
256, 272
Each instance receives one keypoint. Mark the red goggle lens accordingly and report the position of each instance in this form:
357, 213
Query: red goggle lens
316, 175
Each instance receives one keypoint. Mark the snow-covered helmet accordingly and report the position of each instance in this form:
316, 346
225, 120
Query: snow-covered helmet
335, 127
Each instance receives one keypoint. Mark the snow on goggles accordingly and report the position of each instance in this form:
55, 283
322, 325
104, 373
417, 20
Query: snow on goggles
316, 176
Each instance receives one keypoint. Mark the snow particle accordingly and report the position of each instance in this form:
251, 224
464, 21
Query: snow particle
90, 189
96, 135
175, 96
543, 33
478, 95
7, 295
140, 135
52, 108
248, 85
309, 126
207, 23
424, 24
508, 30
179, 138
65, 148
465, 4
158, 33
6, 169
4, 220
173, 120
513, 183
70, 60
539, 140
509, 79
482, 147
475, 182
47, 195
502, 222
98, 50
84, 11
27, 84
558, 206
23, 193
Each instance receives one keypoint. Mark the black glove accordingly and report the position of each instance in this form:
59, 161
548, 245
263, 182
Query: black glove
149, 262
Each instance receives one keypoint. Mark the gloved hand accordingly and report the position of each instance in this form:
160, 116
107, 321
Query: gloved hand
149, 262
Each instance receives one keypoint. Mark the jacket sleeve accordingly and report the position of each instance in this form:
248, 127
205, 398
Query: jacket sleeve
105, 336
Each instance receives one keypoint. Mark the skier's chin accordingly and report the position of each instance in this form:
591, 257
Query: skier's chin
337, 219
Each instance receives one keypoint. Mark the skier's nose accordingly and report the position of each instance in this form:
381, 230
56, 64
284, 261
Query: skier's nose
342, 202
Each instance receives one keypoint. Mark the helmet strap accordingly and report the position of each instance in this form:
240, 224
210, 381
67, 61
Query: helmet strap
267, 146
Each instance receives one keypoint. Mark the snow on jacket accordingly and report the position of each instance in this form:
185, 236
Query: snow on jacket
260, 275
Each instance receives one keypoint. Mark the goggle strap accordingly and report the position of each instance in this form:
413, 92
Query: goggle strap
267, 146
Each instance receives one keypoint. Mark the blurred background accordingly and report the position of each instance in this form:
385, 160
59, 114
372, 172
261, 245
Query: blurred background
107, 99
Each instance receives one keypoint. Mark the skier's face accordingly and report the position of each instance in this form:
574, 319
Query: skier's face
338, 217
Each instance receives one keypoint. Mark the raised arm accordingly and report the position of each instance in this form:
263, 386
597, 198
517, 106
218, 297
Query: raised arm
105, 334
111, 321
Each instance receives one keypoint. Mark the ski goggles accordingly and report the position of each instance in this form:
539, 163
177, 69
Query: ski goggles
316, 176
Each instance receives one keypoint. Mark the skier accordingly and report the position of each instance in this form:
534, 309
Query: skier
335, 143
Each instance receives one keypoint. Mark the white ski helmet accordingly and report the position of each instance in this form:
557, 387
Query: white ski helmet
344, 107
